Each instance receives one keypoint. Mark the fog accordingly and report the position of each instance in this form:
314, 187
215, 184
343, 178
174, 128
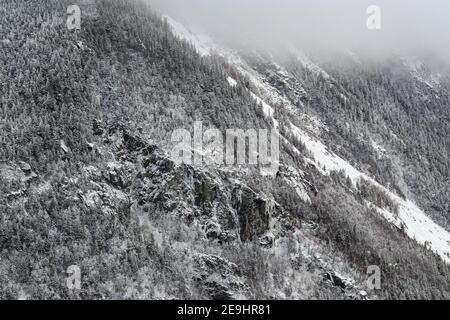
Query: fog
407, 26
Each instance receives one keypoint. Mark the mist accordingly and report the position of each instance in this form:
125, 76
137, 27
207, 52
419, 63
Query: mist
407, 27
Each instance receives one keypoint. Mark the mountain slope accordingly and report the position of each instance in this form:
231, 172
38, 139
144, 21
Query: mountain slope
87, 180
407, 215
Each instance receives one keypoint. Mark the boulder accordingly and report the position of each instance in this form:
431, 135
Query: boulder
339, 280
98, 127
267, 241
25, 167
219, 278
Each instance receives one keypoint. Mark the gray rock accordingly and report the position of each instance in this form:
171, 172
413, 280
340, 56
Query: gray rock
25, 167
219, 278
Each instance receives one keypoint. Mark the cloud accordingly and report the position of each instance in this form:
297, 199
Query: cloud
407, 26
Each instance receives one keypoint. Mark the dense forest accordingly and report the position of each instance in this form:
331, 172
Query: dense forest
85, 177
408, 114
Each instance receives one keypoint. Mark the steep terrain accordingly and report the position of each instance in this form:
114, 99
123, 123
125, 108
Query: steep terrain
278, 86
87, 178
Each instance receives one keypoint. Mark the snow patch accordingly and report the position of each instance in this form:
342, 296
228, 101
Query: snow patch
202, 43
232, 82
417, 70
301, 192
311, 66
379, 149
267, 109
417, 224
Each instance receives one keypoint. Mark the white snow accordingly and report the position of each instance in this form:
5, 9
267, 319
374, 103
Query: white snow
64, 146
268, 110
416, 68
202, 43
379, 149
313, 124
311, 66
326, 160
417, 224
232, 82
301, 192
205, 46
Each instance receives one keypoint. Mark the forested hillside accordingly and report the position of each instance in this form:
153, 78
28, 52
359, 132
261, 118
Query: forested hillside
394, 119
86, 178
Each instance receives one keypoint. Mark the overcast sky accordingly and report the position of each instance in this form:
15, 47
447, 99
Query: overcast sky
406, 25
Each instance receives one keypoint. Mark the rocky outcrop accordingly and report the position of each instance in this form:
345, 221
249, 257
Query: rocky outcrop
254, 213
226, 209
25, 167
344, 284
219, 278
339, 280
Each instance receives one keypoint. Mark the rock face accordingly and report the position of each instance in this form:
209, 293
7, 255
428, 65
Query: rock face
225, 209
98, 127
115, 176
219, 278
254, 213
345, 284
241, 224
339, 280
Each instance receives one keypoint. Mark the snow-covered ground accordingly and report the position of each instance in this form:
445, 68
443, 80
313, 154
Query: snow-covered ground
378, 148
311, 66
416, 68
202, 43
416, 223
232, 82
